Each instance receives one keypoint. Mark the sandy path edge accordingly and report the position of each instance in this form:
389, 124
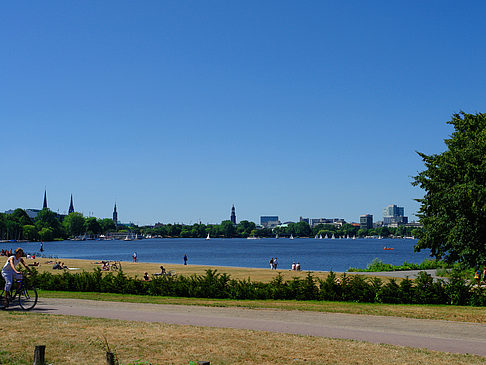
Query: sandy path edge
446, 336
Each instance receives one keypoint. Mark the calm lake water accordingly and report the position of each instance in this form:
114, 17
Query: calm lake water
325, 254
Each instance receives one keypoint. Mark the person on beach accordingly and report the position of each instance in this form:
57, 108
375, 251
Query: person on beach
293, 266
185, 259
271, 263
146, 276
9, 272
134, 256
297, 267
275, 263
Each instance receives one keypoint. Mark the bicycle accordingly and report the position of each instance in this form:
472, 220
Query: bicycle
26, 296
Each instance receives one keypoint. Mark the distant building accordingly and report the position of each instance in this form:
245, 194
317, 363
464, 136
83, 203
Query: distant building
71, 206
269, 221
315, 221
233, 215
115, 216
45, 200
394, 215
366, 221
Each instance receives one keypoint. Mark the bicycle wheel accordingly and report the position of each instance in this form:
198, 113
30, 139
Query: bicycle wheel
27, 298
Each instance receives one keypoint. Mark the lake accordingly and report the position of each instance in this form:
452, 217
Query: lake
317, 255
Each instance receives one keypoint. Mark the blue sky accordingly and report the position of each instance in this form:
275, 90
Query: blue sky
178, 109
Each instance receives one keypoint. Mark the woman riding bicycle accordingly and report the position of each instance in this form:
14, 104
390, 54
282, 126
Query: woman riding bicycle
9, 272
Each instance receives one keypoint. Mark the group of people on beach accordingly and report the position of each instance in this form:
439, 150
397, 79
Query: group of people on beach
273, 263
295, 266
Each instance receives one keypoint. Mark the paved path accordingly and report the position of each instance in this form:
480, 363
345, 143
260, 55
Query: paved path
447, 336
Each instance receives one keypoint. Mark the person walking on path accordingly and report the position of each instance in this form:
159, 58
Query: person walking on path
185, 259
134, 256
9, 272
271, 263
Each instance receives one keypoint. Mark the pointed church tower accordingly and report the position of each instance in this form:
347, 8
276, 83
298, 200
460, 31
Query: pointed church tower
115, 215
45, 200
233, 215
71, 206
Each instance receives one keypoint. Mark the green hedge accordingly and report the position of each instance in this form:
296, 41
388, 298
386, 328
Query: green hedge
356, 288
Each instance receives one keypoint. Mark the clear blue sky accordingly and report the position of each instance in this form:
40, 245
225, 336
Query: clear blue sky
178, 109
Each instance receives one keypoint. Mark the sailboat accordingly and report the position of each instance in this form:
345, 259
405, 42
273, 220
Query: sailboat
316, 237
291, 236
326, 237
276, 236
208, 238
320, 236
354, 237
333, 236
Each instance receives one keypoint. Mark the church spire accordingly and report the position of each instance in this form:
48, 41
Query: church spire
233, 215
71, 206
115, 215
45, 199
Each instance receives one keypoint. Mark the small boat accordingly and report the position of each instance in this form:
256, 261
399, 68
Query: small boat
316, 237
354, 237
291, 236
320, 236
252, 238
127, 238
333, 237
326, 237
276, 236
208, 238
388, 248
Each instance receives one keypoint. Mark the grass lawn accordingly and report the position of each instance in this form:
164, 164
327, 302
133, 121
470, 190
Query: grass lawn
79, 340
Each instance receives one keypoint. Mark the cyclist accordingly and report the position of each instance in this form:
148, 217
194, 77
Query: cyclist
9, 272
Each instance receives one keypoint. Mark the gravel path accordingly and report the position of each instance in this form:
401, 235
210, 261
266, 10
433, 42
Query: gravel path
447, 336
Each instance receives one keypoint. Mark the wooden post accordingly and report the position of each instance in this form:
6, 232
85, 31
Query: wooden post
110, 358
39, 355
203, 363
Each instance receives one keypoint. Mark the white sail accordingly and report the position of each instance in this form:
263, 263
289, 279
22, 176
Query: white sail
333, 236
291, 236
208, 238
320, 236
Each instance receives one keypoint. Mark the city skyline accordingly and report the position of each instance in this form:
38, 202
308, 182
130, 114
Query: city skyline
232, 216
178, 110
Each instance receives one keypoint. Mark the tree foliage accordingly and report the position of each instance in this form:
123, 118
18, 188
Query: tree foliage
453, 210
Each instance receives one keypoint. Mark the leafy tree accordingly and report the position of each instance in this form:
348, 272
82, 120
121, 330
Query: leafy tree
228, 229
30, 232
92, 226
74, 224
48, 219
107, 225
453, 210
21, 217
46, 234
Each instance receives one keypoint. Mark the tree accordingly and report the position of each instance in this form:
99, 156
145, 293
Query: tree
228, 229
107, 224
74, 224
92, 226
48, 219
453, 210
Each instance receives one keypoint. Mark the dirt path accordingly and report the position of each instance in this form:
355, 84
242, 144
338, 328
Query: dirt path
457, 337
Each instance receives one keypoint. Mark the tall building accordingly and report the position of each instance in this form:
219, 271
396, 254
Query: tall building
269, 221
45, 200
233, 215
366, 221
115, 215
71, 206
394, 215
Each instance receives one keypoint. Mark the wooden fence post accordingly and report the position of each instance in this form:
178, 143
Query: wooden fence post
39, 355
110, 358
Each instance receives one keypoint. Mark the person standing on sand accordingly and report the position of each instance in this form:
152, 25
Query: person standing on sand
185, 259
271, 263
134, 256
275, 263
